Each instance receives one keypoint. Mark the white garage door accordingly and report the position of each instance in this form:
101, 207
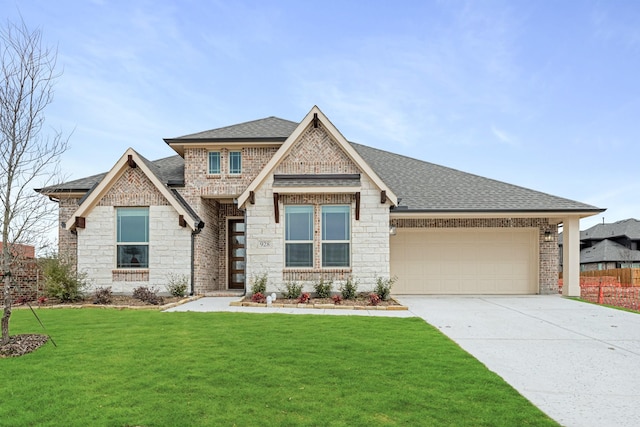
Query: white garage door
465, 261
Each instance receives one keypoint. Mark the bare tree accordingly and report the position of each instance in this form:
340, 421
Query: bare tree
29, 156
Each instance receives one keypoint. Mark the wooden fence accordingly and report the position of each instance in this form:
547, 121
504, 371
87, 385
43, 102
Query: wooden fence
625, 276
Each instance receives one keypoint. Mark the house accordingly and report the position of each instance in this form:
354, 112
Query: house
609, 246
296, 201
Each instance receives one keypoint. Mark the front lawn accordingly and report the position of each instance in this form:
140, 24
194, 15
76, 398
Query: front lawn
146, 368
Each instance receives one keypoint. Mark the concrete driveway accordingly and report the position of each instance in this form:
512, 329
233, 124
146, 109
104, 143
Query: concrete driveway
578, 362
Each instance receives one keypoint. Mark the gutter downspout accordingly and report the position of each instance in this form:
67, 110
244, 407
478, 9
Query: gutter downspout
198, 229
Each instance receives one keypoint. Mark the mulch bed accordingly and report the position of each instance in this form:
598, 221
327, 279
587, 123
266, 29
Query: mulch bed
20, 345
360, 301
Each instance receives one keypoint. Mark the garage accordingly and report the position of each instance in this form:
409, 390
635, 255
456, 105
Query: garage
490, 261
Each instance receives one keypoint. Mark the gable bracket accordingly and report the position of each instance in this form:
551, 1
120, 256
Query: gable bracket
80, 222
383, 196
315, 120
252, 197
357, 206
131, 162
181, 221
276, 207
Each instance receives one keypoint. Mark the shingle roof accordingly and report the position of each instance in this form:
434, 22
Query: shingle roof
420, 186
423, 186
168, 169
627, 227
608, 251
272, 128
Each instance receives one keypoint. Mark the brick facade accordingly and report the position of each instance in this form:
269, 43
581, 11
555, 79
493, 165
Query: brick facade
547, 251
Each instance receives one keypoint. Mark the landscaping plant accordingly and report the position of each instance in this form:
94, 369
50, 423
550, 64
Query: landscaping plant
383, 287
177, 284
148, 295
259, 284
61, 281
349, 289
102, 295
323, 289
292, 290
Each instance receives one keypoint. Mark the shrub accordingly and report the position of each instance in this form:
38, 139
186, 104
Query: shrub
304, 298
42, 300
258, 297
102, 296
61, 281
374, 299
349, 289
323, 289
259, 284
383, 287
292, 290
148, 295
337, 299
177, 284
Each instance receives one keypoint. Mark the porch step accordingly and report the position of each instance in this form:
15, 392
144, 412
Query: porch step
226, 293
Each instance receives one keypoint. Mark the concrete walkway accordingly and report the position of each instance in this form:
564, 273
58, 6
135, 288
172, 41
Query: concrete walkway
578, 362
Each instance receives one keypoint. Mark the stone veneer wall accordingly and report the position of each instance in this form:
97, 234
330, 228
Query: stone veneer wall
316, 152
169, 244
548, 251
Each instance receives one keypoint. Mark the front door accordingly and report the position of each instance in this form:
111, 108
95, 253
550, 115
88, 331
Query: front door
236, 254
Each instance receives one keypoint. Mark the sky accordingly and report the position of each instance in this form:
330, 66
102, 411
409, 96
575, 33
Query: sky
541, 94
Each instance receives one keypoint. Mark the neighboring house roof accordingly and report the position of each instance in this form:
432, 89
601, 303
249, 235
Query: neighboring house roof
419, 186
608, 251
629, 228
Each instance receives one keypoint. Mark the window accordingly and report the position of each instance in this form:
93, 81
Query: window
214, 162
235, 162
132, 238
336, 236
298, 236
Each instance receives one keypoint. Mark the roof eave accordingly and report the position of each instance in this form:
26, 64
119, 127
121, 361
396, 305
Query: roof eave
495, 213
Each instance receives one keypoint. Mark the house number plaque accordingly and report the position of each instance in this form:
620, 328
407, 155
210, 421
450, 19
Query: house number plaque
264, 243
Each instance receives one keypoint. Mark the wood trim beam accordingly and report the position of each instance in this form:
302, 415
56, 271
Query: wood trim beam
358, 206
383, 196
276, 207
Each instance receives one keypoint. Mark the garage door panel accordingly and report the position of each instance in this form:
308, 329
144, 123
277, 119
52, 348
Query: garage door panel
465, 261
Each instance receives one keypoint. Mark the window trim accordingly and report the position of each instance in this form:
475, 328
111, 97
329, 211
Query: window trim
209, 172
231, 156
119, 244
323, 241
309, 242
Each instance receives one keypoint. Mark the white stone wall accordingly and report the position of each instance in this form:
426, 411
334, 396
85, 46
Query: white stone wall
169, 249
369, 239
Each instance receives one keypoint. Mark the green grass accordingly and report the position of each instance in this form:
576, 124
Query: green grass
118, 368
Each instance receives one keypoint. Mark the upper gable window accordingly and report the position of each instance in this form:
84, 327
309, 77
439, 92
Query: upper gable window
132, 238
235, 162
214, 162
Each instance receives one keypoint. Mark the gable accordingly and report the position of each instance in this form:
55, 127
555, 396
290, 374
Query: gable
133, 188
316, 152
314, 129
125, 185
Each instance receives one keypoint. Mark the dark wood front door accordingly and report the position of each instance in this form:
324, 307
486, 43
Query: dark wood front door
236, 254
